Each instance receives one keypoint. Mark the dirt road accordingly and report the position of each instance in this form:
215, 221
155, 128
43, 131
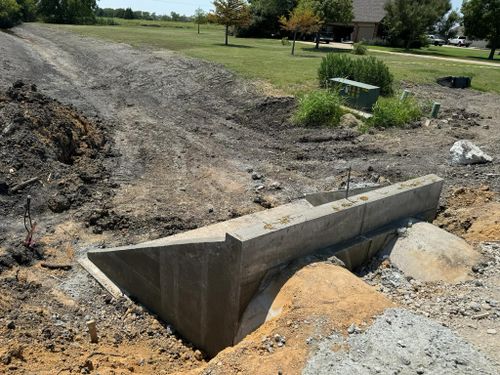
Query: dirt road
188, 131
194, 144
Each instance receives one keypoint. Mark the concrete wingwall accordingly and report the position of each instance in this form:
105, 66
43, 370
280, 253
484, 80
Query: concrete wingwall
202, 285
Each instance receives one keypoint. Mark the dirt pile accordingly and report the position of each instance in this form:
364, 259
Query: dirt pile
51, 152
317, 300
41, 138
473, 214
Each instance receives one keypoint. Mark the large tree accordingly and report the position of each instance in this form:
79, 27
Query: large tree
482, 21
265, 16
302, 19
330, 11
68, 11
10, 13
407, 21
13, 12
231, 13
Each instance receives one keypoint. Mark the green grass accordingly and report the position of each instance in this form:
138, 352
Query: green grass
269, 60
319, 108
389, 112
480, 55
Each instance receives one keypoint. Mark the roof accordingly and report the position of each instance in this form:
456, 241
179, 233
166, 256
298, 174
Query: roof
368, 10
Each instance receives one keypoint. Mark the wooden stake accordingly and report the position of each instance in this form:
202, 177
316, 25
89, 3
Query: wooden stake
92, 331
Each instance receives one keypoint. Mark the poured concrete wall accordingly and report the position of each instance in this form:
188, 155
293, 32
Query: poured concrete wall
202, 281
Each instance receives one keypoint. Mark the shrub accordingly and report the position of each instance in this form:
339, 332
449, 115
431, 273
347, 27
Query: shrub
388, 112
318, 108
367, 70
374, 72
10, 13
359, 49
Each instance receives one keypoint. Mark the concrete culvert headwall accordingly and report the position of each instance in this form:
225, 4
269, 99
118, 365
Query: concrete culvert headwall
202, 281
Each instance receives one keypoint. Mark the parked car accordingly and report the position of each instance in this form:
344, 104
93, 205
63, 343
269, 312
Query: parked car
326, 37
460, 41
435, 40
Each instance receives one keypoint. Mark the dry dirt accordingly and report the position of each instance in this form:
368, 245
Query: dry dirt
176, 143
319, 299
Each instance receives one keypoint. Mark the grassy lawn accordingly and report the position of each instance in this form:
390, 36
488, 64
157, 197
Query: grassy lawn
269, 60
480, 55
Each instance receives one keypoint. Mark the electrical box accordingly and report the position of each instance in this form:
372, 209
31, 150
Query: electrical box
357, 94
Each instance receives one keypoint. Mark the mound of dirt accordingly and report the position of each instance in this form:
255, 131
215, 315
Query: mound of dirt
41, 138
50, 152
315, 301
473, 214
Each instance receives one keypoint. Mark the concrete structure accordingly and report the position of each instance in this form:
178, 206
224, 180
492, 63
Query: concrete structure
202, 281
429, 253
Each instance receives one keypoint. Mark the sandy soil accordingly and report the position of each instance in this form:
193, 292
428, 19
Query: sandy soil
187, 136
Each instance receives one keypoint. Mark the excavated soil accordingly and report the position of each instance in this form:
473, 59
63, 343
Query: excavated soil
132, 144
315, 301
473, 214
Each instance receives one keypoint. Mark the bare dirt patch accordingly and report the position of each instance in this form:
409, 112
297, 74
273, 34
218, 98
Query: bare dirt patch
473, 214
317, 300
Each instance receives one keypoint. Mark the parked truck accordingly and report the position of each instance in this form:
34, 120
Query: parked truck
460, 41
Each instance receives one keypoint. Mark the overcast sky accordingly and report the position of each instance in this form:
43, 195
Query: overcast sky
186, 7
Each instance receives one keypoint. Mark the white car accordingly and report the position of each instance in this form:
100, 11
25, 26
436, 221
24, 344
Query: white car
460, 41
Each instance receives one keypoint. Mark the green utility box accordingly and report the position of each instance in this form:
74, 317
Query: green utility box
358, 95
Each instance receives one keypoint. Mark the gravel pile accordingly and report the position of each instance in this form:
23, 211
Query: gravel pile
399, 342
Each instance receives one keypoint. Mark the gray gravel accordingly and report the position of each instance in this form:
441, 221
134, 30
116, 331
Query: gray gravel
399, 342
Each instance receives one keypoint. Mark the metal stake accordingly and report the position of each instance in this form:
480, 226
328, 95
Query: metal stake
348, 182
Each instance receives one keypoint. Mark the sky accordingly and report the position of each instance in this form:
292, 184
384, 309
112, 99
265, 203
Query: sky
186, 7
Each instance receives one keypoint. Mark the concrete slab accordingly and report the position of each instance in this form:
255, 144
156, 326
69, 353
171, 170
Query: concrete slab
428, 253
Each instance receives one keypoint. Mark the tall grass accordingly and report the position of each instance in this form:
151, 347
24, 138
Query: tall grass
393, 112
318, 108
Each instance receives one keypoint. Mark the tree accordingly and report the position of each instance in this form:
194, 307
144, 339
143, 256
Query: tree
231, 13
200, 17
28, 10
407, 21
128, 14
331, 11
302, 19
9, 13
68, 11
447, 25
265, 16
482, 21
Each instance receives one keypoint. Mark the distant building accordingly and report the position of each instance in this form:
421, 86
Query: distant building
368, 14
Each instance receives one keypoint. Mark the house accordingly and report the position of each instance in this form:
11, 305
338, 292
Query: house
368, 14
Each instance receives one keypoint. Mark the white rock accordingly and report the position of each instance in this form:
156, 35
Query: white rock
465, 152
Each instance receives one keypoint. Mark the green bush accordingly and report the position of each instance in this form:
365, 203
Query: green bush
389, 112
10, 13
367, 70
359, 49
318, 108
